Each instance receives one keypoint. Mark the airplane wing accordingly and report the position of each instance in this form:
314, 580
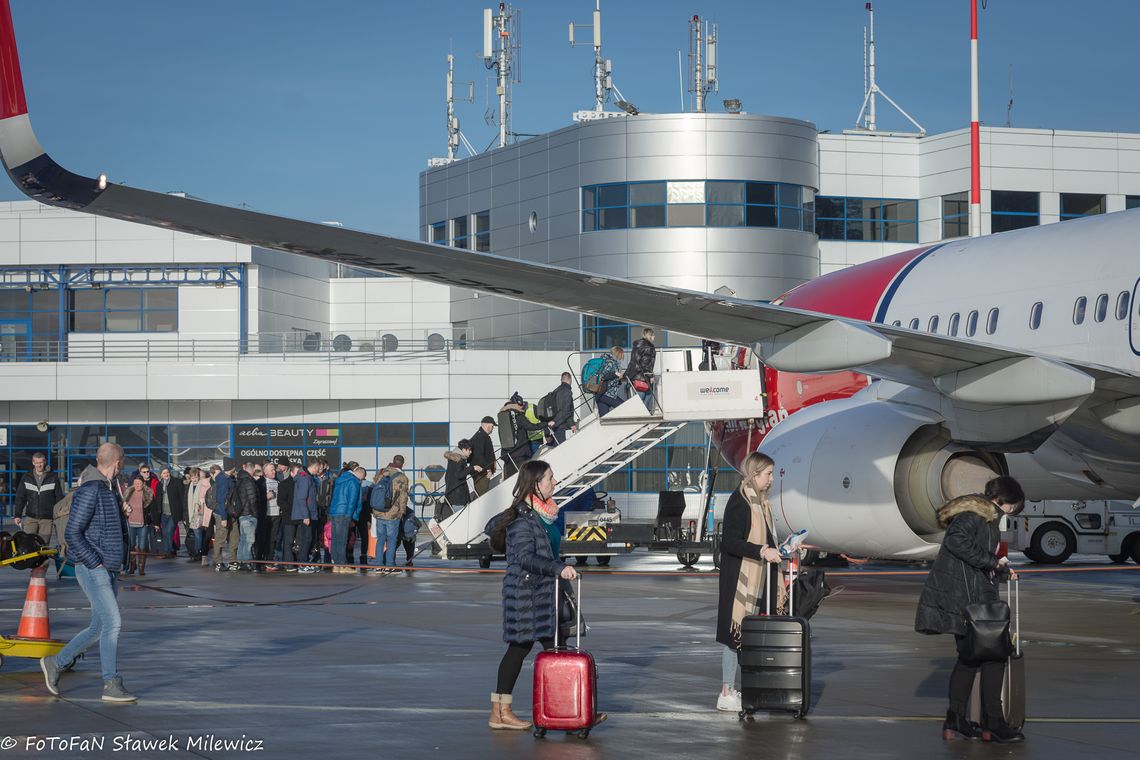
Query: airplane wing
787, 339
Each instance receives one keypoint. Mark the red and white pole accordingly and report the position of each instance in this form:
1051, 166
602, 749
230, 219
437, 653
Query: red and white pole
975, 135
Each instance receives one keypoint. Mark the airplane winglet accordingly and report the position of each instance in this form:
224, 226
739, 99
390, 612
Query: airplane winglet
12, 101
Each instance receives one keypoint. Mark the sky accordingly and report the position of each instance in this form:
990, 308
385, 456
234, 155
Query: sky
329, 111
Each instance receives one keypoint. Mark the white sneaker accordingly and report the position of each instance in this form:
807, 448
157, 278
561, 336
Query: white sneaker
729, 702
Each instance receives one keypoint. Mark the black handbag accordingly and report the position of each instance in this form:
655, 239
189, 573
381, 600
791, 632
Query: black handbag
987, 630
568, 615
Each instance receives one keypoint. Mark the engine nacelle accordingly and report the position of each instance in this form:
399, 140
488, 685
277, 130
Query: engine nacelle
865, 476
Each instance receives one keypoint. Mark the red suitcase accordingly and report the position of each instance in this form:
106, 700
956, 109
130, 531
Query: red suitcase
565, 685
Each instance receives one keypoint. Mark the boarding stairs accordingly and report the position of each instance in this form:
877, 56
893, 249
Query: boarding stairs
604, 445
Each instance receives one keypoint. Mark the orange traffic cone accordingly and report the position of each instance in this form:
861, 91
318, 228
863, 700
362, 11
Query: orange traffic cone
34, 620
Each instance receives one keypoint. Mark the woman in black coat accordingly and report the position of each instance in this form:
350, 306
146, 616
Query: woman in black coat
965, 572
747, 545
523, 532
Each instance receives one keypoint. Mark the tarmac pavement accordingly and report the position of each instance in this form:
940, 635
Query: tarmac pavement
336, 666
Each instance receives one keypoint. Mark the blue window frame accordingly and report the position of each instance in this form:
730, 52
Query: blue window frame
1076, 205
697, 203
460, 227
483, 231
123, 310
955, 215
674, 464
893, 220
1014, 210
438, 233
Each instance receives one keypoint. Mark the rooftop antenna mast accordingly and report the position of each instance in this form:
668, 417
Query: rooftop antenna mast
454, 136
702, 60
603, 69
501, 45
867, 121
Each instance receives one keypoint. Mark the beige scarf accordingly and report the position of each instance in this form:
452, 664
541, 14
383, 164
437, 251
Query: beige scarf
746, 600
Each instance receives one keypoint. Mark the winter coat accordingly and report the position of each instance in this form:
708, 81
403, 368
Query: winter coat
285, 498
177, 491
734, 547
346, 496
304, 497
528, 585
38, 501
641, 360
195, 502
221, 490
482, 452
248, 500
400, 486
611, 383
964, 570
563, 406
455, 488
96, 529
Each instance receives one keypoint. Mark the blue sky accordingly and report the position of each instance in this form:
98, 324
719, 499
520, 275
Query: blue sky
329, 111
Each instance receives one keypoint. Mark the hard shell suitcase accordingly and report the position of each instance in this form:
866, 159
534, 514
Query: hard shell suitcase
775, 662
565, 685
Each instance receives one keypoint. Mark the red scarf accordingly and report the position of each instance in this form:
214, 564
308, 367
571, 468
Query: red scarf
547, 509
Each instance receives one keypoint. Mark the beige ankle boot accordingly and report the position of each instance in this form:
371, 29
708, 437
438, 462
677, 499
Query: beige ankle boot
501, 715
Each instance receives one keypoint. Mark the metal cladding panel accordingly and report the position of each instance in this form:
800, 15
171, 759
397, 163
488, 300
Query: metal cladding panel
505, 168
603, 148
687, 142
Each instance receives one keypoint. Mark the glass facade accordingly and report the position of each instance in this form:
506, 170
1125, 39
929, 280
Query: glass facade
70, 448
1014, 210
1076, 205
120, 309
955, 215
866, 219
697, 203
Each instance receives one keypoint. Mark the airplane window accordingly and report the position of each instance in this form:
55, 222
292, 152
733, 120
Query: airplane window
991, 321
1079, 310
932, 327
914, 323
1035, 316
1122, 304
1101, 307
971, 324
897, 323
952, 330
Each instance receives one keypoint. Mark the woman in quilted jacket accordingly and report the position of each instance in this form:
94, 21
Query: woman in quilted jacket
526, 534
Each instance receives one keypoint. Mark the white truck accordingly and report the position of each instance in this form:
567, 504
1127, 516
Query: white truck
1048, 532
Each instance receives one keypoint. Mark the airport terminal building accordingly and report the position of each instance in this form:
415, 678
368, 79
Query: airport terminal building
184, 349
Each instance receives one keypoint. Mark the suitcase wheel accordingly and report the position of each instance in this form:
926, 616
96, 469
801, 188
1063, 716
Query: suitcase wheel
584, 733
799, 715
539, 733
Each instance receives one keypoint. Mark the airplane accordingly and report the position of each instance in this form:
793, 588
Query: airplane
891, 386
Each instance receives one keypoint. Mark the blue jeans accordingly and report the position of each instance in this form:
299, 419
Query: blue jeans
248, 526
139, 537
647, 397
101, 588
340, 526
167, 534
387, 539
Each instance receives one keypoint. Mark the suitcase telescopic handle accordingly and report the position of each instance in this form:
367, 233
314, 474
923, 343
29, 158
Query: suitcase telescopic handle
577, 611
1013, 595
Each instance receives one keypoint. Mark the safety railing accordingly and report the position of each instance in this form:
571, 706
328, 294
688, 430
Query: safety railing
340, 348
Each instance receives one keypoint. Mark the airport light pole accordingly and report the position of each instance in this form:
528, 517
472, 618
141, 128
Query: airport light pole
975, 132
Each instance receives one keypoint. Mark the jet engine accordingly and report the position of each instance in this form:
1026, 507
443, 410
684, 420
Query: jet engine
865, 477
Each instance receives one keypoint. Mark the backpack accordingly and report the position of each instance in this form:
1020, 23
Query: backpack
546, 405
592, 374
232, 505
411, 525
381, 497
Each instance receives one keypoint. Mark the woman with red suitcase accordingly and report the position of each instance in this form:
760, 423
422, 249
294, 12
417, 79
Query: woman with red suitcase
526, 534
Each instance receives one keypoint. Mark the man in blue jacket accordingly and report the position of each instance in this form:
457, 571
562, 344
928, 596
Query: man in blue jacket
227, 530
95, 540
301, 518
343, 511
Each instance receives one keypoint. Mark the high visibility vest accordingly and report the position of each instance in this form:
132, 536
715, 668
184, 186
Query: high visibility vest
532, 415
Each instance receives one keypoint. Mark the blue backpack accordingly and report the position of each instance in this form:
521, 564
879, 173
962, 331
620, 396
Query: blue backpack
411, 525
381, 496
592, 374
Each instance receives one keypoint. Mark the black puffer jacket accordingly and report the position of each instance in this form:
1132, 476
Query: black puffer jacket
528, 585
455, 488
246, 497
642, 357
964, 571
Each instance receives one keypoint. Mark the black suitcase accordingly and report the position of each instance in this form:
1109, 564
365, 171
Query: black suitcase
775, 664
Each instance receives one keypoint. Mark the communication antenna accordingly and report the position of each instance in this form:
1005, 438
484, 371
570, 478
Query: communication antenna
502, 51
454, 135
866, 121
602, 68
702, 61
1009, 105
